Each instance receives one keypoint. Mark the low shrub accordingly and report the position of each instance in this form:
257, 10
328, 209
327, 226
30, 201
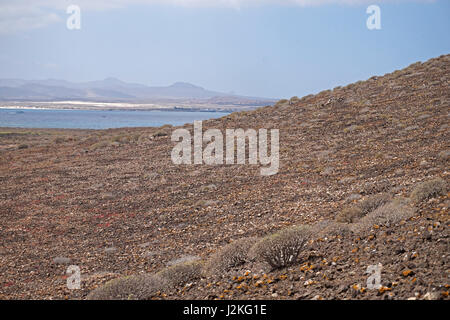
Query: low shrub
137, 287
354, 213
182, 273
349, 215
183, 259
232, 255
282, 249
387, 215
281, 102
374, 202
428, 189
294, 100
327, 228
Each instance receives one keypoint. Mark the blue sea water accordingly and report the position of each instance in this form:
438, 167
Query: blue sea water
98, 119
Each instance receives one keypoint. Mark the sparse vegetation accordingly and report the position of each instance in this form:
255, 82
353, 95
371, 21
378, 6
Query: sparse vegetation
232, 255
387, 215
429, 189
99, 145
282, 249
354, 213
349, 214
327, 228
182, 273
371, 203
281, 102
137, 287
294, 100
160, 134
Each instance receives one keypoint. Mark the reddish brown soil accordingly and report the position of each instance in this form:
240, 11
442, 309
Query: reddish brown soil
73, 194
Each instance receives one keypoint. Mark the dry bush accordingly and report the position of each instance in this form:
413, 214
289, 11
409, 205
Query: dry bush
144, 286
183, 259
374, 202
429, 189
59, 140
282, 249
294, 100
349, 215
281, 102
182, 273
232, 255
387, 215
137, 287
99, 145
354, 213
327, 228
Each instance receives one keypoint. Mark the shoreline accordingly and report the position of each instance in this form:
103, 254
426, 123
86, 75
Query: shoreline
170, 109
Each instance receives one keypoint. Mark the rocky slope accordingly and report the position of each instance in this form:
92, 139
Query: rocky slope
113, 203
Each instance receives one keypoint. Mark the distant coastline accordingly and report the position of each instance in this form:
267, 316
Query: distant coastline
112, 106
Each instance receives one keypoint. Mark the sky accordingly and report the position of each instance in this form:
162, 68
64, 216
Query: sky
261, 48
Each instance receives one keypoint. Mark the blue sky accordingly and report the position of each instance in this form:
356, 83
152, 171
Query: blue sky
271, 49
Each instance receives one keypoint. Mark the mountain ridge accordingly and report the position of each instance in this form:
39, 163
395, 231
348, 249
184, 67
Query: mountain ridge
110, 90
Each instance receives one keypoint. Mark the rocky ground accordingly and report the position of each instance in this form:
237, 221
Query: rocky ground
113, 203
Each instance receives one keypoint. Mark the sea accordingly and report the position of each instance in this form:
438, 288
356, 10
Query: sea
99, 119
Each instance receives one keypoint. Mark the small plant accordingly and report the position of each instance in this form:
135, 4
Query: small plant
59, 140
428, 189
99, 145
282, 249
374, 202
294, 100
349, 215
387, 215
354, 213
327, 228
137, 287
160, 134
281, 102
182, 273
232, 255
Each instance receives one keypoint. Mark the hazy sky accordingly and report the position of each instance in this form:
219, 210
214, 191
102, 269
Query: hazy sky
268, 48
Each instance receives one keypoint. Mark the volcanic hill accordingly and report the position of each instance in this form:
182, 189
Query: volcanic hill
363, 171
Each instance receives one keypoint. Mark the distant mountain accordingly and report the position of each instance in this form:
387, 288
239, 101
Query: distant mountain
114, 90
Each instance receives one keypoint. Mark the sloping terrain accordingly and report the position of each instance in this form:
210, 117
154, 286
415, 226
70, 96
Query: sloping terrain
113, 203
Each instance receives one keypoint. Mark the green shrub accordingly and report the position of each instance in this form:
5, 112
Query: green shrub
232, 255
282, 249
429, 189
